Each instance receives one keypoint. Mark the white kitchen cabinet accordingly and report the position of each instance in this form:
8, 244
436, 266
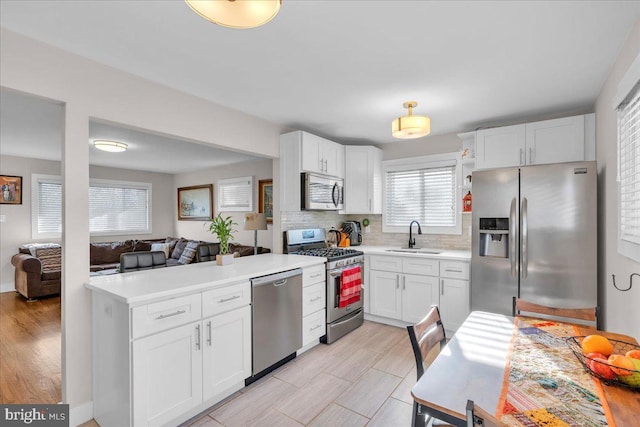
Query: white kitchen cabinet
314, 302
418, 292
303, 152
226, 343
566, 139
386, 295
363, 180
167, 374
454, 302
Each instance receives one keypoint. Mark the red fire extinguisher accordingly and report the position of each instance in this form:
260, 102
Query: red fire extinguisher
466, 202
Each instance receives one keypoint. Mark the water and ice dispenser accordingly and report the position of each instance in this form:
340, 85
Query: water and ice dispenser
494, 237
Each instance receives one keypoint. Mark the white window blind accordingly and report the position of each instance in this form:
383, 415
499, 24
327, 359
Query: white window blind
114, 207
118, 208
629, 174
235, 194
426, 189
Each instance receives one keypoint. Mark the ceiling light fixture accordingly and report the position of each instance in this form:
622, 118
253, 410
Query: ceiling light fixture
110, 146
236, 13
410, 126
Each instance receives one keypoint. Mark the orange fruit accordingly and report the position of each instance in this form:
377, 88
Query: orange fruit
621, 365
634, 354
596, 344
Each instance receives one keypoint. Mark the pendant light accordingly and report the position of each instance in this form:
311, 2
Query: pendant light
236, 13
410, 126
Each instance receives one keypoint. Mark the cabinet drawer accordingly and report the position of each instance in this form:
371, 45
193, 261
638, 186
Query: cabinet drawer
159, 316
312, 275
422, 266
313, 298
313, 327
454, 269
385, 263
227, 298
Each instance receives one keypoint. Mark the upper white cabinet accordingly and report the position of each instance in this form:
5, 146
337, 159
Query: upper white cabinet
550, 141
363, 180
303, 152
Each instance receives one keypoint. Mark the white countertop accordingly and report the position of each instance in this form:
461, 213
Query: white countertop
445, 254
147, 285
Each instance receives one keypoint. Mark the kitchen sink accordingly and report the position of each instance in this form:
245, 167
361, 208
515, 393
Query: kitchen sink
416, 251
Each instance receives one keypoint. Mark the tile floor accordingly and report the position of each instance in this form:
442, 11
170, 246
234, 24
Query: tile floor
363, 379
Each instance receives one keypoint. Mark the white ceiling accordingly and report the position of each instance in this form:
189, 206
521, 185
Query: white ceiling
33, 127
342, 69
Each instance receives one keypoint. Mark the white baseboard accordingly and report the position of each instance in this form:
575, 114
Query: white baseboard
80, 413
7, 287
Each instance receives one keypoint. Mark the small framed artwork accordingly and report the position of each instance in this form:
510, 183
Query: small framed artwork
196, 202
11, 187
265, 198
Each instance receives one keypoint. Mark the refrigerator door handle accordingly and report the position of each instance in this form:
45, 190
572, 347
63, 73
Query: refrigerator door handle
512, 237
524, 230
521, 157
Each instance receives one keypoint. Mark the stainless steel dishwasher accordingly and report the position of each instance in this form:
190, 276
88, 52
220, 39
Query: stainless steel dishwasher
277, 320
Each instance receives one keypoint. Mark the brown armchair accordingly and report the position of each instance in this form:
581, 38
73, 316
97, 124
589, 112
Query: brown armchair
37, 276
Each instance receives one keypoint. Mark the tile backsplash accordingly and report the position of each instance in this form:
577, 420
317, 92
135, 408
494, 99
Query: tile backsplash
375, 236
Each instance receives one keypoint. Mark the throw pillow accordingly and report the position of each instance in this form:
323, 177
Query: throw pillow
178, 248
164, 247
189, 252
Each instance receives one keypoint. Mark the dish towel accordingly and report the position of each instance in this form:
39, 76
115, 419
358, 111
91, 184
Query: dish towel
350, 286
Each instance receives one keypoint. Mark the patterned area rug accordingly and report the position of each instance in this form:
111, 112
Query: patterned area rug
546, 385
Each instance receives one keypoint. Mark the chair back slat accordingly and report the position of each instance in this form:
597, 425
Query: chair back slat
425, 335
589, 314
478, 417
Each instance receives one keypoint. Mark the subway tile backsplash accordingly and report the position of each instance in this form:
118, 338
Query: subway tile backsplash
312, 219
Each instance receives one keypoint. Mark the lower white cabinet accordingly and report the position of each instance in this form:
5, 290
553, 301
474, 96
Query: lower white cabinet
402, 296
386, 296
418, 292
454, 302
314, 301
167, 375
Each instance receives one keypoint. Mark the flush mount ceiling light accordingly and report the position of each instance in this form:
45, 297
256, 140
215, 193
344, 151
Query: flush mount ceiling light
410, 126
110, 146
236, 13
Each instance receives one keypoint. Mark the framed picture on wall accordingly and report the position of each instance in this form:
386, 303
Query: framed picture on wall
11, 187
196, 202
265, 198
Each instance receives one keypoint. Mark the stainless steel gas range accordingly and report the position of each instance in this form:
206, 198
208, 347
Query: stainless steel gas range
311, 242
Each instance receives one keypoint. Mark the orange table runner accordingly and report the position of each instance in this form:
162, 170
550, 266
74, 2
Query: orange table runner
544, 383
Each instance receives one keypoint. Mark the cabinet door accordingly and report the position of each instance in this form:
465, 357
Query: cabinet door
358, 180
500, 147
386, 295
227, 350
555, 141
418, 294
311, 153
333, 157
167, 374
454, 302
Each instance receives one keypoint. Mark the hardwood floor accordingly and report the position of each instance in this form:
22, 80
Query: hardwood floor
30, 350
364, 379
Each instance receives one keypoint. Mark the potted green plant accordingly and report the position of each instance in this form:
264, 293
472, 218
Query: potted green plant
223, 228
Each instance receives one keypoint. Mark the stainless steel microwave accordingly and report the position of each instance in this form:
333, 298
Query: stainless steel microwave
321, 192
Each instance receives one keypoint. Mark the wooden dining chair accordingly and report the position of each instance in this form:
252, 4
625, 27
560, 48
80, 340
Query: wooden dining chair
589, 314
478, 417
424, 336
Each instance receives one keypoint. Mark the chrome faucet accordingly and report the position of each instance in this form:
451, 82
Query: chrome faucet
412, 240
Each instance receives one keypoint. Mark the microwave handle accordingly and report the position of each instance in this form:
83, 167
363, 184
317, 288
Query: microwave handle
335, 198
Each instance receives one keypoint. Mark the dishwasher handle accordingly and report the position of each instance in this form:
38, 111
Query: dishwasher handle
277, 279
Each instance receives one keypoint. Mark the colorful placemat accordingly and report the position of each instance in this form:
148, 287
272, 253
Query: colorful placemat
545, 385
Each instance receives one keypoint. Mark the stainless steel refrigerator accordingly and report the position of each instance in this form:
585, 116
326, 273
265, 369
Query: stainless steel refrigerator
534, 236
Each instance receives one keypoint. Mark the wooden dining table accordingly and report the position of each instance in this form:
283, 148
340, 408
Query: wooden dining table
472, 366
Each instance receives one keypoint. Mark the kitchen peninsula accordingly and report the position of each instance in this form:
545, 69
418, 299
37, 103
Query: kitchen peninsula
169, 343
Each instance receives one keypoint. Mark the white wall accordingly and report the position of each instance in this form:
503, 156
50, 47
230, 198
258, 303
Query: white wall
258, 169
433, 144
91, 90
621, 309
16, 230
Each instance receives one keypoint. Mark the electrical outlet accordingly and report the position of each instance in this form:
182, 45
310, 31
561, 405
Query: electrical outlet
3, 218
367, 229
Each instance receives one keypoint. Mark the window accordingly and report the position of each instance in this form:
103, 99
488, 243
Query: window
425, 189
115, 207
629, 174
235, 194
